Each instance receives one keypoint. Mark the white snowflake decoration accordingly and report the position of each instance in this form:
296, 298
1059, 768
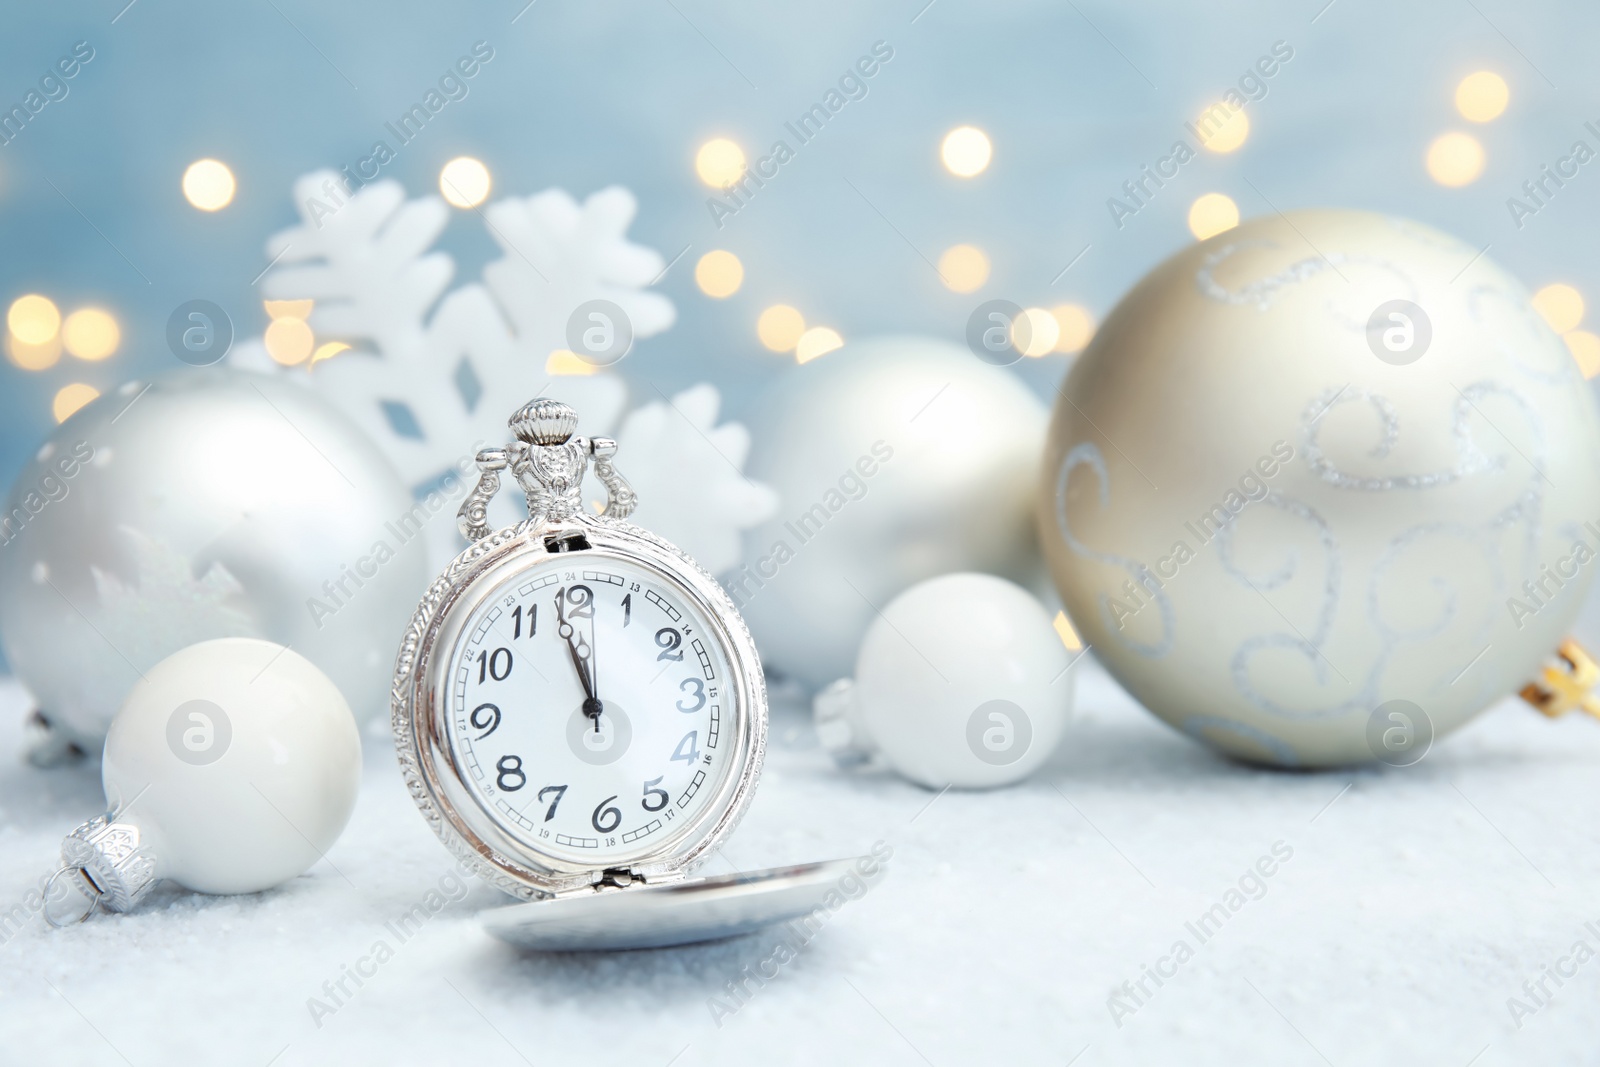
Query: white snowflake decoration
661, 439
167, 607
434, 375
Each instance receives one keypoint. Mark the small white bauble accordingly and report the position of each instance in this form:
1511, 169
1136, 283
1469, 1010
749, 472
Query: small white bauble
206, 503
895, 459
232, 767
1316, 465
962, 682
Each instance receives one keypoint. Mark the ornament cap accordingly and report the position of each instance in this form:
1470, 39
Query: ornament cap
115, 865
542, 421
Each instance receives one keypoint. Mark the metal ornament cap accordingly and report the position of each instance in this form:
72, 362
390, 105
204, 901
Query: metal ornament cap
113, 858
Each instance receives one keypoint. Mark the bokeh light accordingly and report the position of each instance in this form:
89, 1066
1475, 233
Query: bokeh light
780, 327
1074, 325
966, 151
817, 341
719, 163
327, 351
1068, 635
564, 361
91, 334
464, 182
69, 398
33, 319
289, 341
1585, 348
1561, 305
1212, 214
1219, 134
1455, 159
288, 309
1035, 332
719, 274
1482, 96
33, 357
208, 184
964, 268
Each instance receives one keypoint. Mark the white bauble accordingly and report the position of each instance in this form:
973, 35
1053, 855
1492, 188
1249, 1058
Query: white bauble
1409, 475
895, 459
207, 503
962, 682
239, 763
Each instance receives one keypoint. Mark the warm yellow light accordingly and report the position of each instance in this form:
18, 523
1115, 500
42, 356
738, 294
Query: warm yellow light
70, 398
780, 327
33, 319
1482, 96
289, 341
567, 362
464, 182
288, 309
1585, 348
91, 334
1075, 326
208, 184
817, 341
719, 163
964, 268
34, 357
1068, 635
1455, 159
966, 151
327, 351
1212, 214
1035, 332
1223, 128
1561, 305
719, 273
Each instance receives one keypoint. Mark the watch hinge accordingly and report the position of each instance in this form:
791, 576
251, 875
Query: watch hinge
618, 878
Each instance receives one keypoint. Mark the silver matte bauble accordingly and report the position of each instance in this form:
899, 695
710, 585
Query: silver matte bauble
210, 503
1322, 488
896, 459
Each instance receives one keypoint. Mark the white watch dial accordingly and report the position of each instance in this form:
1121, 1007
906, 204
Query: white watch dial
589, 712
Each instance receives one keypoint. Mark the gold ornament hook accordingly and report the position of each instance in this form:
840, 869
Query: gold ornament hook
1564, 688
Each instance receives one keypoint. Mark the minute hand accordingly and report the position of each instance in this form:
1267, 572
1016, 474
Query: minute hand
581, 662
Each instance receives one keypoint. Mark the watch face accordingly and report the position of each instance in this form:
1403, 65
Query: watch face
589, 709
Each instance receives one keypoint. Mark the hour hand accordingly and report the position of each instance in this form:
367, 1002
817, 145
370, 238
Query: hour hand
582, 662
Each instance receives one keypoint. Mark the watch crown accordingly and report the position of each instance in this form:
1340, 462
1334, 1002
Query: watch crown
544, 422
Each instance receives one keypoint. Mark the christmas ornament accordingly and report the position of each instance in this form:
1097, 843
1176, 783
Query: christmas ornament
961, 682
207, 503
1309, 468
430, 377
581, 714
232, 767
896, 459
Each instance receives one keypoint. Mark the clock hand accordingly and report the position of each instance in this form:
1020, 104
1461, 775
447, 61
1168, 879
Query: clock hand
594, 669
580, 661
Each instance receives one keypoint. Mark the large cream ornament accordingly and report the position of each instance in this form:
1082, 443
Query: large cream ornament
1316, 465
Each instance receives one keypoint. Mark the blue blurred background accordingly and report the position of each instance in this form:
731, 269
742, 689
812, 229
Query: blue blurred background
1074, 97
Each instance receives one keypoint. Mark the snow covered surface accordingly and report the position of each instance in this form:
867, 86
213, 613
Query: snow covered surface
1414, 904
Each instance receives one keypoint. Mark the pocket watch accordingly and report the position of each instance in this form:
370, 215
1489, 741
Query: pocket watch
580, 713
